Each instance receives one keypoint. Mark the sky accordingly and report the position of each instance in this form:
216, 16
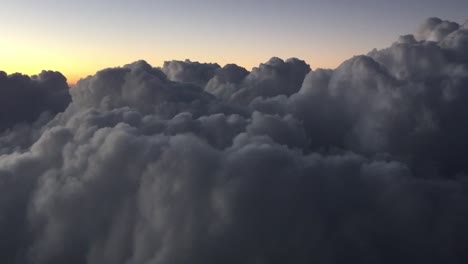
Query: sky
78, 38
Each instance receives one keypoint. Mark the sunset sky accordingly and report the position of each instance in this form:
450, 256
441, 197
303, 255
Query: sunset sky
80, 37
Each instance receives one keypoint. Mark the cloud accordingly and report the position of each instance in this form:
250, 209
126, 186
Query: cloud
202, 164
435, 29
138, 86
275, 77
190, 72
24, 98
405, 101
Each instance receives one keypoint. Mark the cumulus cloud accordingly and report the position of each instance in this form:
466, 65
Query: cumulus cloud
190, 72
24, 98
202, 164
435, 29
275, 77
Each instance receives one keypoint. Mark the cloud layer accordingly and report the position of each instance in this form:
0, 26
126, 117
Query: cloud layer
197, 163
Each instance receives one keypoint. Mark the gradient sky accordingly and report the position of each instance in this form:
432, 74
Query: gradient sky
80, 37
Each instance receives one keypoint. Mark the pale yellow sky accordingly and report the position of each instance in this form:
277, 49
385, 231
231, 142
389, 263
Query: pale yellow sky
79, 38
79, 60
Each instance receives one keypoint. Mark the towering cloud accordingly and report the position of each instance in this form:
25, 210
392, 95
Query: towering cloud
194, 163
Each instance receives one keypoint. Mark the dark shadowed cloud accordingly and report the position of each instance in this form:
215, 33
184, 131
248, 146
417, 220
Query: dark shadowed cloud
194, 163
24, 98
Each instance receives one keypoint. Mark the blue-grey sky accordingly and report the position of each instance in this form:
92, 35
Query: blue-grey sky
80, 37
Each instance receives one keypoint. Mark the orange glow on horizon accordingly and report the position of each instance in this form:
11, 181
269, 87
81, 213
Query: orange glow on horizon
317, 62
85, 58
79, 70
